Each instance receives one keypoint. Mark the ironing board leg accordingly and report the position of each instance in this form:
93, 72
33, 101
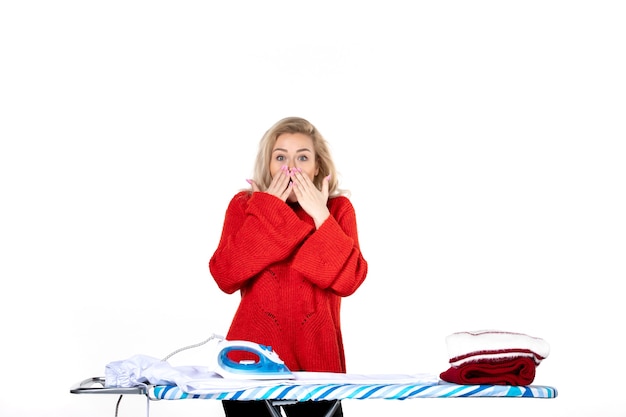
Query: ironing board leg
333, 408
147, 406
273, 408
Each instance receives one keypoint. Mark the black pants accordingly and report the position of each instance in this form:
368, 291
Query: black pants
259, 409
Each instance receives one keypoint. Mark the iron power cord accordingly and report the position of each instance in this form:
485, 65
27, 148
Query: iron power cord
195, 345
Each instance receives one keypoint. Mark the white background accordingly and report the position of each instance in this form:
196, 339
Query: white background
482, 142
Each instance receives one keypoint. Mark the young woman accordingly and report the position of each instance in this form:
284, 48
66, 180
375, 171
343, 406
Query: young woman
290, 246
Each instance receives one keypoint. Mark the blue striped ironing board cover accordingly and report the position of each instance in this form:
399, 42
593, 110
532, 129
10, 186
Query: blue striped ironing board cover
343, 391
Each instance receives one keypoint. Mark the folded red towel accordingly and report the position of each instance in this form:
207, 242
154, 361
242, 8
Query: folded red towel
514, 371
494, 357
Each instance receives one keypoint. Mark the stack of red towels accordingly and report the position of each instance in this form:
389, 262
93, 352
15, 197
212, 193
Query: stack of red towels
492, 357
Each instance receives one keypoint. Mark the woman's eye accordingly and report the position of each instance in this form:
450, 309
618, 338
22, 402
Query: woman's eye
303, 158
280, 158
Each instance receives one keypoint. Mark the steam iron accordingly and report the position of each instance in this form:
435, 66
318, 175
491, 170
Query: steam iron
266, 365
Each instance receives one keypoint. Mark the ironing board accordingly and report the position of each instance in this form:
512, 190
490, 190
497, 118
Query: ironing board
280, 394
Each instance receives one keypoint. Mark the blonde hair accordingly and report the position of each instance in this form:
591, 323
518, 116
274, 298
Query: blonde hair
262, 175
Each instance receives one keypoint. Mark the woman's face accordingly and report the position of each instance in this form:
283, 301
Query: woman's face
295, 150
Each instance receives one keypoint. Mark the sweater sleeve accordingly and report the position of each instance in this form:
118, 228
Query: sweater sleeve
259, 230
331, 257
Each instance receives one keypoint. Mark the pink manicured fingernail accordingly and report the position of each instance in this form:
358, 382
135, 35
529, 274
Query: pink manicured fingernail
328, 177
249, 181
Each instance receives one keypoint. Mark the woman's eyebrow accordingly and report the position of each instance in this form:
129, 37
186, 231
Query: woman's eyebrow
297, 151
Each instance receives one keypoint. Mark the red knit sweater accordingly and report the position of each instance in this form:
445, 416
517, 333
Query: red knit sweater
291, 277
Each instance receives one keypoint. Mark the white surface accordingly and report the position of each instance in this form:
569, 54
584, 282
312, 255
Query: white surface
482, 142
